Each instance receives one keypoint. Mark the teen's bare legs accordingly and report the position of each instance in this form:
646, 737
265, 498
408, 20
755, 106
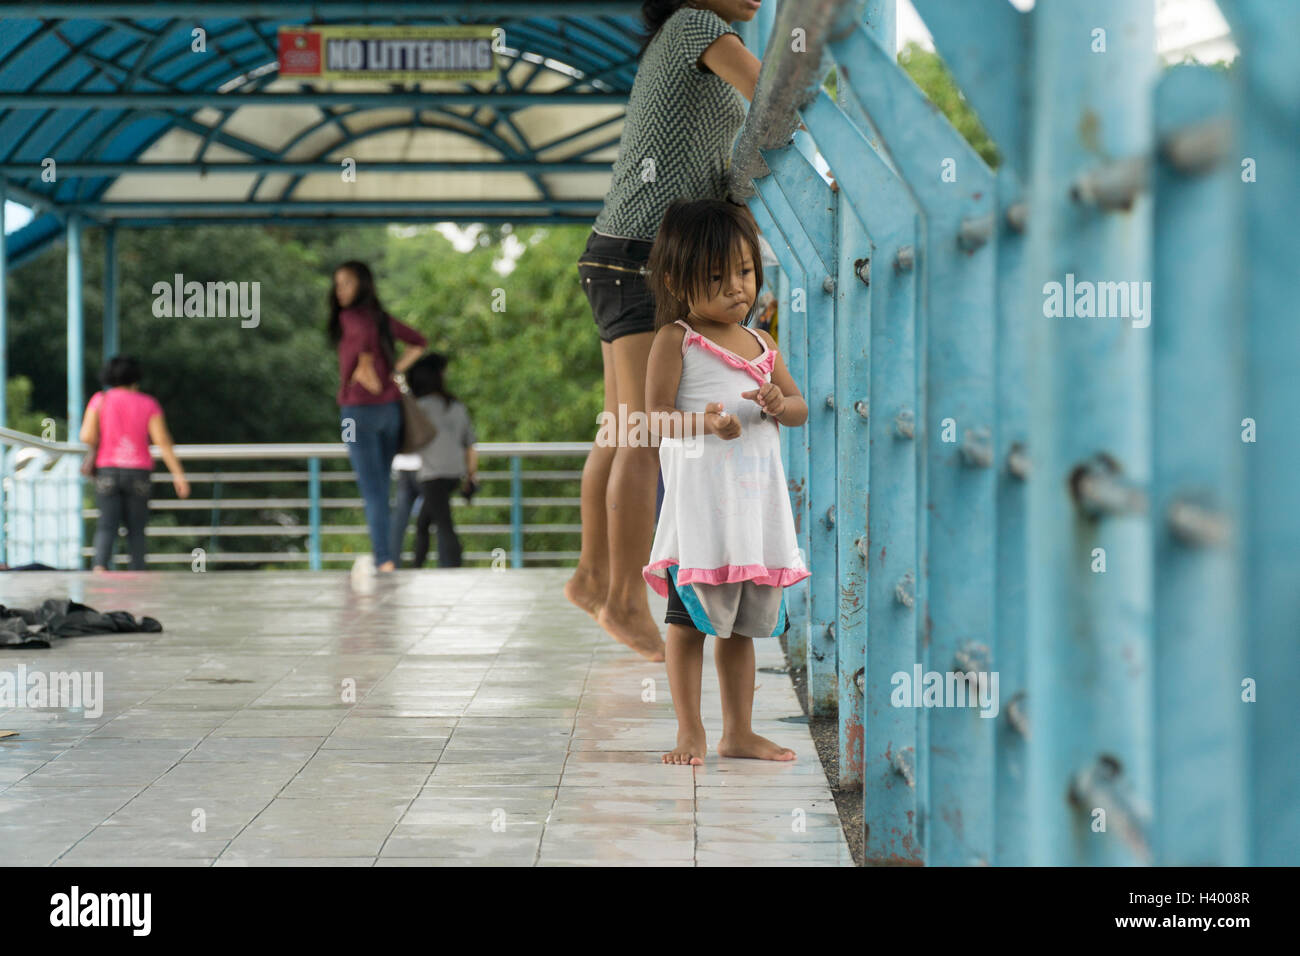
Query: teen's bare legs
734, 657
685, 666
630, 509
590, 581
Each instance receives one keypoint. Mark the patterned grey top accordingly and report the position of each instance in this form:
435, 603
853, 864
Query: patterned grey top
681, 121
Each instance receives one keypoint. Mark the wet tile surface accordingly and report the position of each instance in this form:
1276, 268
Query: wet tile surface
459, 718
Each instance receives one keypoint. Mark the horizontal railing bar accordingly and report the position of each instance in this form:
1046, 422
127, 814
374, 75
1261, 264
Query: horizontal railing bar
250, 530
249, 504
200, 477
330, 450
251, 557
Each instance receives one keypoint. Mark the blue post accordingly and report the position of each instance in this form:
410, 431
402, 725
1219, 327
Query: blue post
4, 344
516, 512
794, 184
1199, 329
313, 512
1090, 678
111, 342
1270, 191
76, 329
793, 342
954, 190
876, 195
986, 45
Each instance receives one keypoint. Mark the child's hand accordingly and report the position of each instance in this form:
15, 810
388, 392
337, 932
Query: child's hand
769, 398
718, 422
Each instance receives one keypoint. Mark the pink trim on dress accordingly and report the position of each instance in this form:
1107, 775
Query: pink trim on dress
758, 368
727, 574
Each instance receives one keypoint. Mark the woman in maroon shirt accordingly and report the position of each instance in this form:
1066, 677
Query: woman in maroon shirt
363, 333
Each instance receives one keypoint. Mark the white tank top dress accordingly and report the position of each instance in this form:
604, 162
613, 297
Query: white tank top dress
726, 530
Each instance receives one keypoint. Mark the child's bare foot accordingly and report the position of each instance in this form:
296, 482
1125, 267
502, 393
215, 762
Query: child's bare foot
690, 748
633, 627
750, 744
585, 591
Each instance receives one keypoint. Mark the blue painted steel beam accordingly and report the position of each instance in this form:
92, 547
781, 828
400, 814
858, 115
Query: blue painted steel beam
817, 292
4, 342
1090, 645
1202, 748
793, 342
956, 523
887, 210
21, 171
112, 341
341, 220
986, 45
76, 329
146, 208
1269, 77
399, 99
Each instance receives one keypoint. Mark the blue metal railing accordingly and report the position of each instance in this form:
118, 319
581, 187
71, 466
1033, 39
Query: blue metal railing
43, 510
1134, 592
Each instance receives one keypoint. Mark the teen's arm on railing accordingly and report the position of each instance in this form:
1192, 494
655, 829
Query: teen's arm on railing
161, 437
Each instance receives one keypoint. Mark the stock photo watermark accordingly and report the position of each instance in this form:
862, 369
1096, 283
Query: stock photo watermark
946, 689
41, 690
210, 300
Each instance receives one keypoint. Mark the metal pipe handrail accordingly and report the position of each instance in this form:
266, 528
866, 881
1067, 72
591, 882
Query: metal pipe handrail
787, 82
236, 452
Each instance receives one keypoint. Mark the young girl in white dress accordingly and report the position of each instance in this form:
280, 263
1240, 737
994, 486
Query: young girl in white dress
716, 394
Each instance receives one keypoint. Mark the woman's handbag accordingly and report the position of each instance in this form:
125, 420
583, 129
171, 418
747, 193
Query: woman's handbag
417, 430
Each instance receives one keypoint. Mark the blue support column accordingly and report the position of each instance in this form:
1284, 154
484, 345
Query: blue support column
875, 195
955, 192
793, 342
794, 184
1201, 738
313, 513
76, 328
4, 345
4, 378
1270, 191
112, 344
985, 44
1090, 642
516, 512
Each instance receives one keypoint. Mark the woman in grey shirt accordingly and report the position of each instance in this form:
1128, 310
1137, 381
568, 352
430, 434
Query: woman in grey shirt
446, 463
686, 107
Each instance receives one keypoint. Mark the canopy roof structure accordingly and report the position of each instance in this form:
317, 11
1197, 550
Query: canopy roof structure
108, 112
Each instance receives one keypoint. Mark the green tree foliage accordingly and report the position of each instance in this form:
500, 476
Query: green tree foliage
928, 71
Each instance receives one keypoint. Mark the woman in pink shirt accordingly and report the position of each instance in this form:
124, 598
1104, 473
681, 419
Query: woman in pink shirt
121, 421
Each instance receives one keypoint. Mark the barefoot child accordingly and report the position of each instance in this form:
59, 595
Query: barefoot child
725, 546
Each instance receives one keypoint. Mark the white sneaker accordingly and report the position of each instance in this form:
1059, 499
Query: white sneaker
363, 573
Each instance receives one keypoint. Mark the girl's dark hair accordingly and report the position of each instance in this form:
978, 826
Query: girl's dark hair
367, 300
425, 377
120, 371
698, 239
655, 13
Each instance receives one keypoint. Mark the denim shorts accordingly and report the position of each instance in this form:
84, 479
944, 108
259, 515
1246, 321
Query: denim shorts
612, 272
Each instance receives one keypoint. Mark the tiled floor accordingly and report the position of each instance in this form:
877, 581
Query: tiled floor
448, 718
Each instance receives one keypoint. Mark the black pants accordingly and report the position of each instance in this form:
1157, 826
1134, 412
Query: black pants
122, 496
436, 510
